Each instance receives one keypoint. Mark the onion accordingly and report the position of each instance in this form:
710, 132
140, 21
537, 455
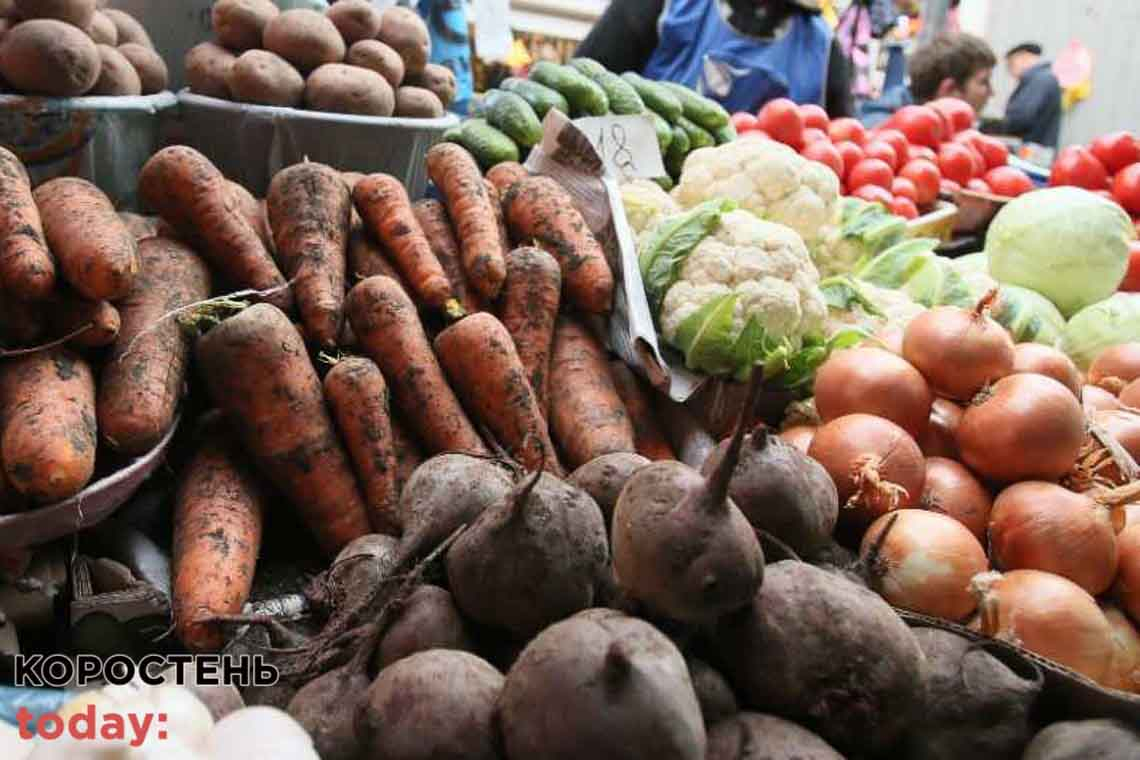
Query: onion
876, 466
923, 562
1048, 615
1026, 427
873, 381
1125, 672
958, 351
1128, 570
1116, 367
1130, 396
940, 438
1097, 399
1042, 526
1132, 514
799, 436
1124, 427
954, 491
1048, 361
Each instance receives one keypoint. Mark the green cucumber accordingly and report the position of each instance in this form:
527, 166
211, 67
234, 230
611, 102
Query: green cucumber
666, 183
678, 149
454, 134
540, 97
656, 97
488, 145
584, 95
664, 131
588, 67
725, 134
708, 114
623, 99
513, 116
698, 137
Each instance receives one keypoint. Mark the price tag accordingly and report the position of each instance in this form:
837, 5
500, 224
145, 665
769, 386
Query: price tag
626, 144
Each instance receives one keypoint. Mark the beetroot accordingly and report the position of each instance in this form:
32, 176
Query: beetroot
603, 478
713, 692
600, 685
429, 620
747, 735
362, 564
1085, 740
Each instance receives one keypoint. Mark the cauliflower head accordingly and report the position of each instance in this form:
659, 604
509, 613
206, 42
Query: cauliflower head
645, 204
767, 178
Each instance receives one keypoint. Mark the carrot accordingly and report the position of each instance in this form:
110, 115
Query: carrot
47, 404
367, 259
309, 212
97, 254
648, 437
480, 358
254, 212
256, 368
358, 395
26, 264
383, 204
67, 312
408, 454
453, 170
190, 194
587, 416
140, 226
497, 206
390, 333
218, 514
147, 369
529, 308
433, 220
537, 208
504, 175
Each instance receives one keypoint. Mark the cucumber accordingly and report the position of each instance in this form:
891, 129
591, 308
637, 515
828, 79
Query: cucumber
666, 183
725, 134
584, 95
453, 134
488, 145
709, 114
656, 98
664, 131
698, 137
540, 97
624, 100
514, 117
589, 67
678, 149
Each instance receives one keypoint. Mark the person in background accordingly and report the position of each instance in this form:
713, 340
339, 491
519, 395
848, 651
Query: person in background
450, 45
741, 53
1033, 112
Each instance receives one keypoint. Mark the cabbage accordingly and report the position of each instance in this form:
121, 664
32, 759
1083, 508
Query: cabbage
1103, 325
972, 263
915, 268
1028, 316
861, 231
1068, 244
645, 204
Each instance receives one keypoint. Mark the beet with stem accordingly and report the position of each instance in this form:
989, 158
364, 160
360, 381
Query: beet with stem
749, 735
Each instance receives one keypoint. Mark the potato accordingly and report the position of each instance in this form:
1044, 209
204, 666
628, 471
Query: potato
240, 24
305, 39
75, 12
103, 30
407, 34
49, 57
267, 79
340, 88
418, 103
375, 55
439, 79
149, 65
129, 29
207, 69
116, 76
356, 20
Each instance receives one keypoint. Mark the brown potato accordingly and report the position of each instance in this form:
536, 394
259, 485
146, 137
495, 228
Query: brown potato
356, 20
240, 24
418, 103
103, 30
267, 79
116, 76
49, 57
340, 88
407, 34
375, 55
75, 12
207, 68
149, 65
438, 79
305, 39
128, 27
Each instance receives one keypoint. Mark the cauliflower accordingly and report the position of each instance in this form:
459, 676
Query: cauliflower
767, 178
645, 203
856, 303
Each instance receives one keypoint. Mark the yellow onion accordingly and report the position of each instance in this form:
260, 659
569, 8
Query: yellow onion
1125, 673
1048, 361
954, 491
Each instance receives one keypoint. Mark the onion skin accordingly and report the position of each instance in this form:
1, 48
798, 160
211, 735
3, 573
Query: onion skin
799, 436
1027, 427
873, 381
1125, 672
1042, 526
1124, 426
954, 491
1048, 615
1130, 396
1048, 361
924, 563
1116, 366
1128, 568
1096, 399
940, 439
959, 352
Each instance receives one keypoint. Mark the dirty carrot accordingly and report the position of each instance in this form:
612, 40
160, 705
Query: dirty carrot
366, 258
506, 174
500, 221
140, 226
529, 309
26, 264
68, 313
408, 454
254, 212
433, 219
648, 436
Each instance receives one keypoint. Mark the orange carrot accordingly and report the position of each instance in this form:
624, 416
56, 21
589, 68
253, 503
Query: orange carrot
67, 312
480, 359
504, 175
408, 454
433, 220
309, 212
190, 194
500, 221
390, 333
648, 436
140, 226
366, 258
253, 211
453, 170
218, 514
27, 268
257, 370
96, 252
358, 395
587, 416
148, 367
529, 308
539, 209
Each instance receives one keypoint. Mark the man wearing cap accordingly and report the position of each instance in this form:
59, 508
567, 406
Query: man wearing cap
1033, 112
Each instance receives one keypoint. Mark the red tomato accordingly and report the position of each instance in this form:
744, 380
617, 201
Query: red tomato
744, 122
920, 151
1126, 188
895, 139
1008, 181
956, 162
959, 113
1076, 166
978, 186
851, 155
971, 137
814, 116
920, 124
825, 153
948, 187
871, 171
812, 134
1131, 282
926, 177
993, 151
904, 188
883, 151
847, 129
781, 119
904, 207
874, 194
1116, 150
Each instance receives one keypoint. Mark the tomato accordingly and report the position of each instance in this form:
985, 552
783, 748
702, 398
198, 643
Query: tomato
851, 155
948, 187
904, 188
904, 207
958, 113
874, 194
825, 153
926, 177
847, 129
812, 134
978, 186
781, 119
1126, 188
993, 151
971, 137
744, 122
882, 151
956, 162
920, 124
1131, 283
920, 151
814, 116
871, 171
1076, 166
894, 138
1116, 150
1008, 181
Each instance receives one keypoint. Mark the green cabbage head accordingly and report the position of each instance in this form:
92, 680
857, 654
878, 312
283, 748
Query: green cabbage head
1103, 325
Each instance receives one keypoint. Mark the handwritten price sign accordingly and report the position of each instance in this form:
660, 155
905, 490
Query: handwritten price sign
627, 144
